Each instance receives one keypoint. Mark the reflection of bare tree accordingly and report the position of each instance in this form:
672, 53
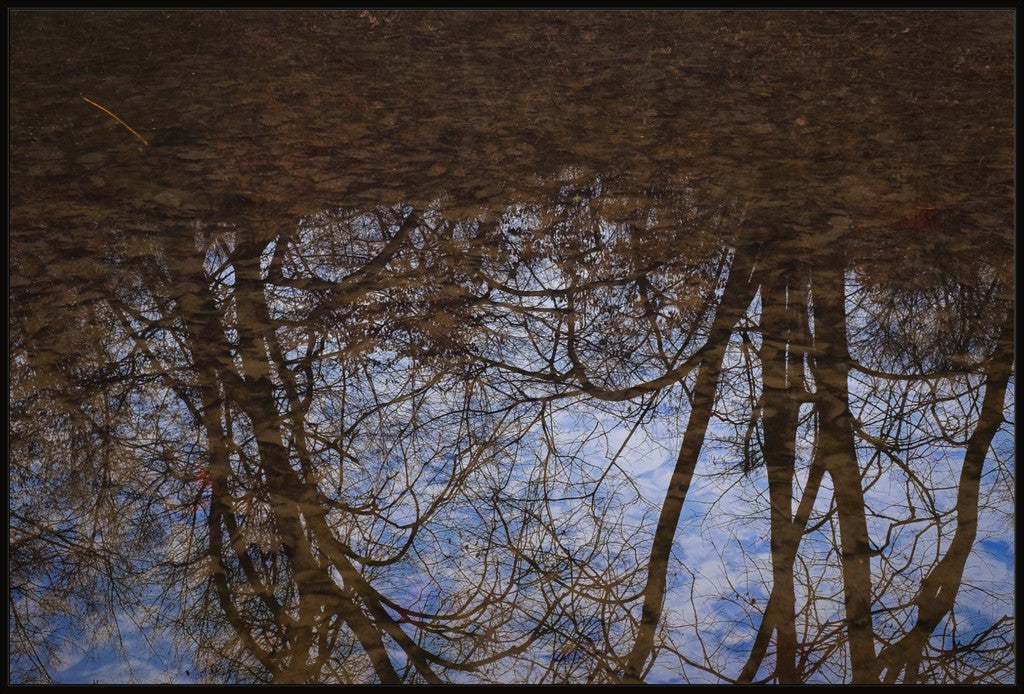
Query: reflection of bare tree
366, 488
936, 597
83, 534
803, 325
310, 511
623, 312
735, 299
985, 369
321, 470
360, 486
837, 434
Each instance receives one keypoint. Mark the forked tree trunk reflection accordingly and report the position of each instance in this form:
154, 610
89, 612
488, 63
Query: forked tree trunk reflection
782, 365
736, 297
937, 595
839, 459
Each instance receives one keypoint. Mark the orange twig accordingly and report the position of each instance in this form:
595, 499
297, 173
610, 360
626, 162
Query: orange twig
114, 116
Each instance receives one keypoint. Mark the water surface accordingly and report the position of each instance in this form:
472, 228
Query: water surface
552, 347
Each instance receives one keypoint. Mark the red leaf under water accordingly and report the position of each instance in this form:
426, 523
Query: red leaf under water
927, 219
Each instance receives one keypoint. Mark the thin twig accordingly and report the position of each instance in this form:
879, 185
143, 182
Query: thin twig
112, 115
